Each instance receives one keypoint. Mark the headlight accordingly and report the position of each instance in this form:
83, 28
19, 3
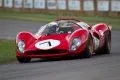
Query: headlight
75, 44
21, 46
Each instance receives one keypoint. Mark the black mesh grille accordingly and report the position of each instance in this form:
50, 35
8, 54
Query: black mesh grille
42, 52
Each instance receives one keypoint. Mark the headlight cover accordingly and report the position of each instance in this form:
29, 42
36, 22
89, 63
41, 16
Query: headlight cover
21, 46
75, 44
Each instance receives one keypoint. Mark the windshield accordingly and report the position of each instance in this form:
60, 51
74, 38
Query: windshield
58, 27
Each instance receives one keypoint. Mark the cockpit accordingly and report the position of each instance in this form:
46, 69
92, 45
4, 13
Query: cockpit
58, 27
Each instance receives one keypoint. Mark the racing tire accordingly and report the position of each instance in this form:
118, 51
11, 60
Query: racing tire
107, 45
23, 60
89, 48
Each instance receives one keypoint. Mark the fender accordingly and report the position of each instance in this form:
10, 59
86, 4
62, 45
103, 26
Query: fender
101, 27
80, 33
99, 31
83, 35
25, 36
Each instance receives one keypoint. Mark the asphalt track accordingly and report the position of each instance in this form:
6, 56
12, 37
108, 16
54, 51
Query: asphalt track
102, 67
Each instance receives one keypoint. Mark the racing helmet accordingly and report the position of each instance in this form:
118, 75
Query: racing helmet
53, 26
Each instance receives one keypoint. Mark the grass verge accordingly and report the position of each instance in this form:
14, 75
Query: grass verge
7, 51
46, 17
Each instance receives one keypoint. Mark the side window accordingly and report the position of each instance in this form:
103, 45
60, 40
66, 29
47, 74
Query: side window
75, 27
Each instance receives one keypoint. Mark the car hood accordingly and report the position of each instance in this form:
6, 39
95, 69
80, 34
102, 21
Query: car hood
52, 41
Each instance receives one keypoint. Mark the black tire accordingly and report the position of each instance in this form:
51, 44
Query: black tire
23, 60
107, 45
89, 48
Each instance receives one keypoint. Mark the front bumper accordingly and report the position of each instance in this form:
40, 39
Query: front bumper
57, 53
44, 54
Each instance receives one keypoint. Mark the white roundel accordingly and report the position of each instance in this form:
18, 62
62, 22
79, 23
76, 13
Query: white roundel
47, 44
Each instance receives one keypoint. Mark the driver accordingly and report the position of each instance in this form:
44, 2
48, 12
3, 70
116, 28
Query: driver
53, 27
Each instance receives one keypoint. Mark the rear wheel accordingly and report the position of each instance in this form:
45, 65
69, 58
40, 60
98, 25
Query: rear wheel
23, 60
89, 48
107, 45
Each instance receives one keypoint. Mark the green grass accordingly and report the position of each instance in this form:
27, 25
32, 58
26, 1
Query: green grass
7, 51
47, 17
27, 16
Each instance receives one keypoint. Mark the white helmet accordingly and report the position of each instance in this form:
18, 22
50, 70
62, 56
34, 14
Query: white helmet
53, 24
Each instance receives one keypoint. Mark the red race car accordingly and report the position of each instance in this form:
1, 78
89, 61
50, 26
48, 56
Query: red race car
62, 38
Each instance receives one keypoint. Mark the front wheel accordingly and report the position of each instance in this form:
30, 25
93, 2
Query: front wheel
89, 48
23, 60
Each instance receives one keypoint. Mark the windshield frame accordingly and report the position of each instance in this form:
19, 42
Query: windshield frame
42, 30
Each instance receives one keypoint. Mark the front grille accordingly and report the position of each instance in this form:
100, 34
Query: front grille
42, 52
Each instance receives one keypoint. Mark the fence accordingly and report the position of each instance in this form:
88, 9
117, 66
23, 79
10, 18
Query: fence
83, 6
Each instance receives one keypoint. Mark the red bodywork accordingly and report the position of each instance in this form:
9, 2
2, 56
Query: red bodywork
63, 49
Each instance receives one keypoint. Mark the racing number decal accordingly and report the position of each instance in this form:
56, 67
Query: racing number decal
47, 44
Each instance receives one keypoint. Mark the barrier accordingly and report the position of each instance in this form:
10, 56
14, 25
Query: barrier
95, 6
